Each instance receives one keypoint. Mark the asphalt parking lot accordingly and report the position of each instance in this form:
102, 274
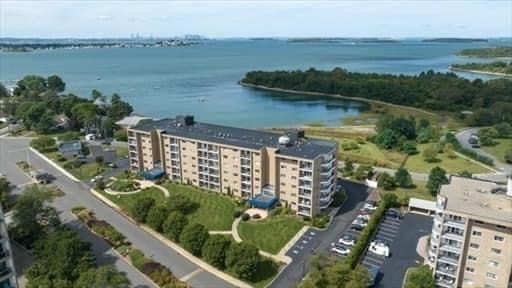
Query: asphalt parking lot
387, 230
403, 250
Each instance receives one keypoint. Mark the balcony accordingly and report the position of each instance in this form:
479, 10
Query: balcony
448, 259
452, 236
446, 269
305, 194
328, 164
455, 224
445, 281
325, 204
450, 248
4, 271
304, 211
326, 190
305, 202
306, 167
245, 162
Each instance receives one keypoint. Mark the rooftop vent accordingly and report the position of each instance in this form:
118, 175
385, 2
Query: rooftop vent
284, 140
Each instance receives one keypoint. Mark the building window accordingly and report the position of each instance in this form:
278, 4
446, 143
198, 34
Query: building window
257, 170
468, 281
294, 194
294, 177
225, 180
294, 169
496, 251
235, 174
471, 258
294, 186
474, 245
494, 263
225, 156
283, 175
283, 192
184, 171
479, 222
283, 184
477, 233
283, 166
499, 238
470, 269
491, 275
257, 179
501, 226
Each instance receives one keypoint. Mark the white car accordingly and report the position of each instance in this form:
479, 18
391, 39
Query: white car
369, 206
347, 240
359, 222
379, 248
93, 180
339, 249
364, 217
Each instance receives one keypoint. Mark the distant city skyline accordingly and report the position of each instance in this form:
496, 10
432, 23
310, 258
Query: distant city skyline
225, 19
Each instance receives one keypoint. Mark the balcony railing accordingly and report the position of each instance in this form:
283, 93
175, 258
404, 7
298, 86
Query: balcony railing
452, 236
325, 204
454, 224
450, 248
446, 269
448, 259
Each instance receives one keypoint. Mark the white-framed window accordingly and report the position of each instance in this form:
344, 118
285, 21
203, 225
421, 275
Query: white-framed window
499, 238
494, 263
491, 275
496, 251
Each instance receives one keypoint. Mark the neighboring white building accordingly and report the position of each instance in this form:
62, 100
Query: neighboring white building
7, 270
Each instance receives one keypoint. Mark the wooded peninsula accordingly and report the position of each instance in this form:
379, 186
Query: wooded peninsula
492, 52
488, 102
494, 68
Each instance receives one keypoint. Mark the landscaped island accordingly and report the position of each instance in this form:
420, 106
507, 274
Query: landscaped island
490, 102
493, 52
498, 68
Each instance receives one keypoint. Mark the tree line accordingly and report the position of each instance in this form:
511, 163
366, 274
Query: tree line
497, 67
490, 102
37, 102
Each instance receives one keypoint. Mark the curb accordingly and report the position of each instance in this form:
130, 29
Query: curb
62, 170
174, 246
123, 258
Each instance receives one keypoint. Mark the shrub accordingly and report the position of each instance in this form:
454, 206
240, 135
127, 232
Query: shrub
137, 258
174, 225
193, 238
338, 198
320, 221
181, 203
61, 158
68, 136
237, 214
124, 250
246, 217
214, 250
77, 209
121, 135
43, 144
386, 181
349, 145
100, 183
156, 217
243, 260
306, 218
256, 216
141, 209
122, 185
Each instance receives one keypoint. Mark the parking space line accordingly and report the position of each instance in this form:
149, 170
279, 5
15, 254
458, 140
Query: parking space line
387, 230
372, 261
390, 226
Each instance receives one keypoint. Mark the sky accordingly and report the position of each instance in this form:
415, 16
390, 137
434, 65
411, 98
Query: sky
264, 18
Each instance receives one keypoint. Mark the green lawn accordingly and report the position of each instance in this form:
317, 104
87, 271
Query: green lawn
86, 171
418, 191
121, 151
499, 149
215, 211
270, 234
126, 202
417, 163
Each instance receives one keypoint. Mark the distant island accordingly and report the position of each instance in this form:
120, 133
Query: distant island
341, 39
492, 52
490, 101
498, 68
29, 45
455, 40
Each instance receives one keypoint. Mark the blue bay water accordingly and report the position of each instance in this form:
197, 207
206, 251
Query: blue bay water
202, 79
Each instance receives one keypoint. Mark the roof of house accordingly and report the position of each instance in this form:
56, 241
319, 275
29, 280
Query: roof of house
131, 121
479, 198
70, 146
239, 137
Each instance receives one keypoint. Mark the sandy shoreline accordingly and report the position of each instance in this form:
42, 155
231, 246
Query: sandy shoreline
479, 72
369, 101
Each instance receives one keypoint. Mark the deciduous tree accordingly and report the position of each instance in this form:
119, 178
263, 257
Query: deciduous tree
174, 225
214, 250
436, 178
193, 237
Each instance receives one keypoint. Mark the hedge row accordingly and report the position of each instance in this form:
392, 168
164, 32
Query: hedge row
450, 138
157, 272
363, 238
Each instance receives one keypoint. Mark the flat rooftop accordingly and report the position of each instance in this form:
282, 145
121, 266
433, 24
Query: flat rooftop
480, 198
239, 137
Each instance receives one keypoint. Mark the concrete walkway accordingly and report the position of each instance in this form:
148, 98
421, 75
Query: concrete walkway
143, 185
234, 229
422, 247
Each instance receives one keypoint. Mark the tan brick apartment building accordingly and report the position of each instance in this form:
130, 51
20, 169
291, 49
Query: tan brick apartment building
471, 241
299, 172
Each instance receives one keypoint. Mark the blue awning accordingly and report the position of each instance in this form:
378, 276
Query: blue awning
153, 174
263, 201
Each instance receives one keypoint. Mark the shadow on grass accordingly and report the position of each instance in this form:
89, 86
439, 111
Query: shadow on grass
266, 269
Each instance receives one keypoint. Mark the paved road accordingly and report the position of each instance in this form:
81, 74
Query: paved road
463, 137
315, 241
78, 194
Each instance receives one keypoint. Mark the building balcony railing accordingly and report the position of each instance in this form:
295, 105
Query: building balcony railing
450, 248
449, 259
306, 167
452, 236
328, 164
305, 202
454, 224
304, 212
446, 269
304, 194
325, 204
445, 281
4, 271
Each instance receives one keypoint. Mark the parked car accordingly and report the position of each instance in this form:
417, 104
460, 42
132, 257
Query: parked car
359, 221
364, 217
369, 206
347, 240
364, 211
374, 273
112, 165
356, 227
340, 249
379, 248
393, 213
93, 180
